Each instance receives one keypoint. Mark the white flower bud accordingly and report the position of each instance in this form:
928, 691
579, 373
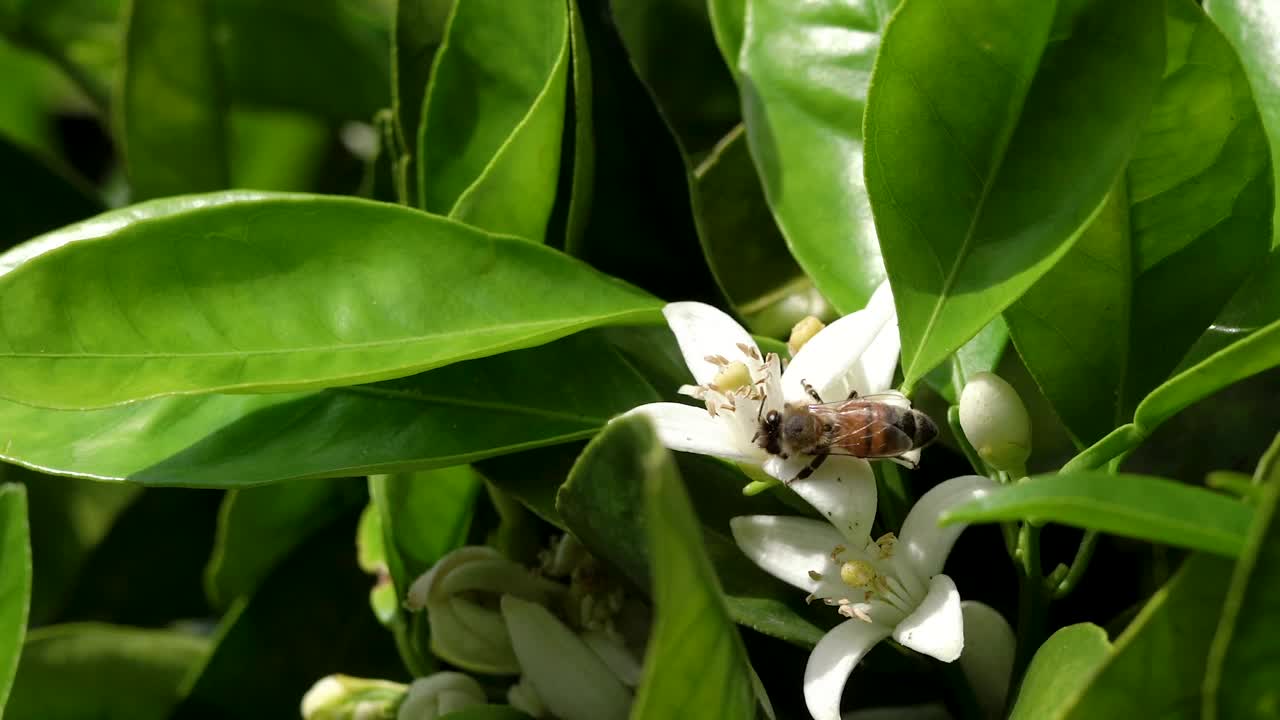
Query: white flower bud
460, 594
342, 697
439, 694
996, 422
802, 332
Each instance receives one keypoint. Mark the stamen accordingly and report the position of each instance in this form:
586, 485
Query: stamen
837, 552
815, 576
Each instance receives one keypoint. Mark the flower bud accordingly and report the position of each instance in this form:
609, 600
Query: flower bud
439, 694
460, 594
342, 697
802, 332
996, 423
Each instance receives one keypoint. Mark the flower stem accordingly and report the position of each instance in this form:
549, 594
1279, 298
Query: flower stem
1033, 600
1084, 553
975, 460
1118, 443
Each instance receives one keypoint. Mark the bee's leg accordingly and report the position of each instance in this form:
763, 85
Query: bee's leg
810, 468
853, 394
809, 389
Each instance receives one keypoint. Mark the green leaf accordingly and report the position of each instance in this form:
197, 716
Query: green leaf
258, 527
424, 515
695, 662
81, 36
172, 116
1251, 27
583, 169
959, 140
107, 672
1254, 354
308, 619
15, 581
671, 46
417, 31
369, 294
327, 58
1155, 667
1060, 670
647, 238
598, 505
36, 195
728, 20
495, 165
1137, 506
981, 354
70, 517
278, 150
802, 101
523, 399
533, 477
1241, 677
743, 245
1186, 224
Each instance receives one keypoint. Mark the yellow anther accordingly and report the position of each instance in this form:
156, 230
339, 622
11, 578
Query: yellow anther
803, 332
731, 377
857, 573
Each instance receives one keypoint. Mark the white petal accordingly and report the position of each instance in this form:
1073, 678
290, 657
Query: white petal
987, 659
693, 429
843, 490
874, 372
831, 359
831, 661
936, 628
789, 548
702, 331
569, 678
928, 711
922, 543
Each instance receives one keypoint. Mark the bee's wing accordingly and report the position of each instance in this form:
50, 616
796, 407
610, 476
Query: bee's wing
846, 431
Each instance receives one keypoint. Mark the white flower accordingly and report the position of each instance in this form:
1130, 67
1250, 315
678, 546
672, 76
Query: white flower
887, 587
342, 697
995, 422
439, 694
739, 385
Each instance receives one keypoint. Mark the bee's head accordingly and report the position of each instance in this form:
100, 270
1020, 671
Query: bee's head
769, 436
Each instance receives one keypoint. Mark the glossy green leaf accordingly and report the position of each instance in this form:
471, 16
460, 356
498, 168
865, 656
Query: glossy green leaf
308, 619
803, 95
172, 115
423, 516
324, 57
370, 294
37, 196
258, 527
70, 517
582, 171
533, 477
743, 245
276, 150
80, 36
671, 46
967, 214
15, 581
489, 144
728, 23
1137, 506
647, 238
598, 504
1155, 667
555, 393
417, 31
1060, 670
1187, 223
1241, 677
1254, 354
108, 672
695, 662
1251, 26
1255, 304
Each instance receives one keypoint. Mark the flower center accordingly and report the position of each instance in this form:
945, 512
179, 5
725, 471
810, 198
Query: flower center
869, 580
732, 377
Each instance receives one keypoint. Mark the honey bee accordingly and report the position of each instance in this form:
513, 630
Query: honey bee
858, 426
